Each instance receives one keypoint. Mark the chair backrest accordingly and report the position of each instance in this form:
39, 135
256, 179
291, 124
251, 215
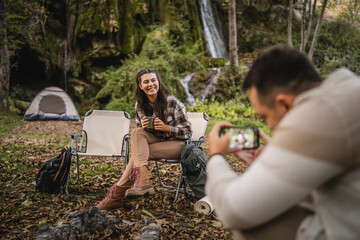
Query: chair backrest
199, 123
105, 131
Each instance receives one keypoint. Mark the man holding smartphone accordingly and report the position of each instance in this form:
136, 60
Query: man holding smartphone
305, 183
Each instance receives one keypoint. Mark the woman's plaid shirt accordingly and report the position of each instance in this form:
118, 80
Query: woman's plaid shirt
176, 118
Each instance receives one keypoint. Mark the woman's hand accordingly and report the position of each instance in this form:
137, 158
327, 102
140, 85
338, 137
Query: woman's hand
160, 125
144, 122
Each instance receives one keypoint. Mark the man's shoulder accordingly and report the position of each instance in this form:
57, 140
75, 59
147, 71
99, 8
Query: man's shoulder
336, 98
340, 75
341, 82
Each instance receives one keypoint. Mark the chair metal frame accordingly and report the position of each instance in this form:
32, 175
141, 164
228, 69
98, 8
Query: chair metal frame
77, 151
182, 178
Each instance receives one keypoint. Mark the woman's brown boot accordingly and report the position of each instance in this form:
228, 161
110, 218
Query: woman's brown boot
114, 199
142, 183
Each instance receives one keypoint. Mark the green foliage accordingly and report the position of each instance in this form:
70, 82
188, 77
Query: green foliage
21, 20
238, 111
208, 62
350, 12
260, 38
160, 53
97, 16
338, 46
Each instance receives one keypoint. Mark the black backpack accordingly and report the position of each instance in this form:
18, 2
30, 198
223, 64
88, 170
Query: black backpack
53, 173
193, 161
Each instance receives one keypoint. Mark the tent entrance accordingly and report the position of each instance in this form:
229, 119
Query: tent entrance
52, 104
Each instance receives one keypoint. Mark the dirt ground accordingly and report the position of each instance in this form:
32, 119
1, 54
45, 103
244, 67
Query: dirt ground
24, 211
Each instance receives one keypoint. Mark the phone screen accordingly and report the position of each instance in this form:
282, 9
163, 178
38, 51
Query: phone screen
244, 138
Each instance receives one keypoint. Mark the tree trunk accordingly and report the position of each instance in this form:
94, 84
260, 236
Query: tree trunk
303, 24
317, 30
71, 11
232, 35
4, 59
312, 13
290, 23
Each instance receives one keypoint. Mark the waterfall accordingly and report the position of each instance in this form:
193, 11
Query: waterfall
215, 43
185, 82
216, 47
210, 88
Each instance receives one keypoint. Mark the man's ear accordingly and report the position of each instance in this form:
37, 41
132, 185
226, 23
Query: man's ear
285, 101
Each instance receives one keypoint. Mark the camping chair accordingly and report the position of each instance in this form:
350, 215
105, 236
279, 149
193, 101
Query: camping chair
199, 123
105, 133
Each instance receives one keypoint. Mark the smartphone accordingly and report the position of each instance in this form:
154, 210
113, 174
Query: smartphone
244, 138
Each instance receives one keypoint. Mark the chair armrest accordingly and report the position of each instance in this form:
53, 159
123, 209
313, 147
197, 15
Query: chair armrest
74, 141
197, 142
75, 136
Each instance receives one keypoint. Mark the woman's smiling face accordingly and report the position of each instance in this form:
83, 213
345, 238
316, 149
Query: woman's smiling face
149, 84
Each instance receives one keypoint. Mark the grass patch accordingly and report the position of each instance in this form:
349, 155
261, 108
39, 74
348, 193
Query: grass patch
85, 162
22, 147
98, 170
9, 121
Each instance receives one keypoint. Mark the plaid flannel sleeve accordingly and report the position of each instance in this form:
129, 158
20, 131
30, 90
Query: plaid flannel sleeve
181, 127
137, 117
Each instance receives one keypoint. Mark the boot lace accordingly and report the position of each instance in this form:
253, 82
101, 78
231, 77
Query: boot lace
109, 194
135, 175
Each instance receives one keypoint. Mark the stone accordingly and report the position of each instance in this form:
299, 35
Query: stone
149, 231
82, 223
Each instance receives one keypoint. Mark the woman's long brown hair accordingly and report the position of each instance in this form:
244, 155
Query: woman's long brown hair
160, 106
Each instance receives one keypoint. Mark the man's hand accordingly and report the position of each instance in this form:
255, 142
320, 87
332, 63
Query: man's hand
264, 137
160, 125
249, 156
217, 144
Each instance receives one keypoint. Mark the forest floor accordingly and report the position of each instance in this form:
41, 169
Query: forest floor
25, 145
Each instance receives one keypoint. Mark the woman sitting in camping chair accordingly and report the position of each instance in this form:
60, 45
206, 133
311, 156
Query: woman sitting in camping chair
162, 127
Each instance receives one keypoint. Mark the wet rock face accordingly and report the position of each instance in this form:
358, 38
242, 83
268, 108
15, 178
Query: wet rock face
202, 86
85, 224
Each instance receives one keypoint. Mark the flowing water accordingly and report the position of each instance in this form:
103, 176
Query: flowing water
185, 82
215, 43
216, 48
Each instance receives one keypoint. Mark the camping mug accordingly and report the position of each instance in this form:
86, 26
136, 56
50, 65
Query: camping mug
151, 122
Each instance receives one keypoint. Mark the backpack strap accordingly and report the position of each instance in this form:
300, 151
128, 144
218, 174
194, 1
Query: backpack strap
62, 162
186, 153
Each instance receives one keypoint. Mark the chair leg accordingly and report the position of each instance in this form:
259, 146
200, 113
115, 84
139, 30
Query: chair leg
181, 180
126, 153
124, 164
159, 177
67, 184
77, 165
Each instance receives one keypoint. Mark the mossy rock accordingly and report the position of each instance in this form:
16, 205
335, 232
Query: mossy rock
213, 62
22, 105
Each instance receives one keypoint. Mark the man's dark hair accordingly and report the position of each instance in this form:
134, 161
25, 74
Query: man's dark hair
281, 69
